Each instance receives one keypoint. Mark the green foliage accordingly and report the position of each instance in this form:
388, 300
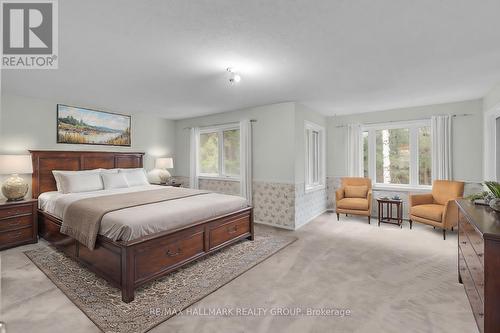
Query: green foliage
477, 196
494, 188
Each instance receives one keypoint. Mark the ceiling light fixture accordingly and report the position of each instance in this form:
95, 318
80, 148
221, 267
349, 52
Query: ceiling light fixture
233, 76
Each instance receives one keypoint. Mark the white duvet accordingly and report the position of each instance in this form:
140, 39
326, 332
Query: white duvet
135, 222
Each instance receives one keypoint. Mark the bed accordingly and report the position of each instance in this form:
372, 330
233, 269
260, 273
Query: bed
137, 244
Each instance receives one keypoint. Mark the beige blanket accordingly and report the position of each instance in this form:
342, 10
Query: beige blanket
82, 218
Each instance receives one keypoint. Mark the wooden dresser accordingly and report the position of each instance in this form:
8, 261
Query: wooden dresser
18, 223
479, 262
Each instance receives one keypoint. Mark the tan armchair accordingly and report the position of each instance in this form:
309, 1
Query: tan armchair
438, 208
354, 197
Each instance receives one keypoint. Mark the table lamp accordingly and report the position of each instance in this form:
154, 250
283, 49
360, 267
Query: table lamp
15, 188
161, 166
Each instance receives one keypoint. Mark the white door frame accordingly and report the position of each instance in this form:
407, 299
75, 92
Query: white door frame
490, 143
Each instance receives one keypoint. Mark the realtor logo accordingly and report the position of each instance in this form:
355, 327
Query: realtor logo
29, 34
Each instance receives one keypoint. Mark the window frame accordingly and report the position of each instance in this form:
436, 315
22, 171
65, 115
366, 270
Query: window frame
413, 130
310, 127
220, 129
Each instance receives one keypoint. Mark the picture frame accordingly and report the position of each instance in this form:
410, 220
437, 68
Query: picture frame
78, 125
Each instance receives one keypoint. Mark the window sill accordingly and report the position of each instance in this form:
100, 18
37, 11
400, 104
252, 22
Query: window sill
229, 179
309, 189
402, 188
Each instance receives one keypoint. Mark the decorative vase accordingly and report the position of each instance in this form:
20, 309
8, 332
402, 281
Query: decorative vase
495, 204
15, 188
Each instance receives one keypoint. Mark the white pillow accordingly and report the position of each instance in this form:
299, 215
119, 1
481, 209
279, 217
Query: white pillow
80, 182
135, 177
113, 180
110, 170
57, 173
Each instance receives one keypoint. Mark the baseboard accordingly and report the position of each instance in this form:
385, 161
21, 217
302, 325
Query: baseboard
312, 218
274, 225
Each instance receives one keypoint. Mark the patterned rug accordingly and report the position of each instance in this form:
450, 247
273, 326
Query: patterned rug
102, 303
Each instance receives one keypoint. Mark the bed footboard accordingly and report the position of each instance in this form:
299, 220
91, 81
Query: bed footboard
128, 265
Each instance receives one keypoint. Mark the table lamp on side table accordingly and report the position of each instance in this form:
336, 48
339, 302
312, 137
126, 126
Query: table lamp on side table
160, 174
15, 188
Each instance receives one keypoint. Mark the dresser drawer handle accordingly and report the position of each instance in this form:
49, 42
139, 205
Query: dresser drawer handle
171, 253
479, 254
232, 230
463, 242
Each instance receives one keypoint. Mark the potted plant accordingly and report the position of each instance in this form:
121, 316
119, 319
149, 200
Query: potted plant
494, 188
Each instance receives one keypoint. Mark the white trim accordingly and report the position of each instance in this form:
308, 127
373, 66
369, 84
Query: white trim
219, 130
308, 186
275, 225
310, 219
401, 188
230, 179
412, 127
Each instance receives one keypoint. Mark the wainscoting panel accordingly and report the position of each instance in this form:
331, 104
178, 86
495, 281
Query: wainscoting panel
274, 204
308, 205
220, 186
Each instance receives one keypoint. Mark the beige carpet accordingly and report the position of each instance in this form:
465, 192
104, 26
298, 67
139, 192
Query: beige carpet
158, 300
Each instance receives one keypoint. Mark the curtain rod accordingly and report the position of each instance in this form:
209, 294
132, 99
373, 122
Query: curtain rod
397, 121
251, 120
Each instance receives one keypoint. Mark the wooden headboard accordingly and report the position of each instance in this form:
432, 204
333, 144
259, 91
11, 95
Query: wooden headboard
44, 161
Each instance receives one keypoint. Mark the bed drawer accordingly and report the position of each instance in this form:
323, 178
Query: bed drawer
16, 223
166, 254
228, 231
15, 211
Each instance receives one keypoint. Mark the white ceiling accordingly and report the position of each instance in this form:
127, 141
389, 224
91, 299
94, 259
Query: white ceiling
336, 56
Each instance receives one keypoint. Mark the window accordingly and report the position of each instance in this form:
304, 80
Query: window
398, 153
219, 152
315, 156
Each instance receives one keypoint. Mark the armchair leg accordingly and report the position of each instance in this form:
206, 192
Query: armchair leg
338, 217
444, 234
451, 228
411, 224
369, 217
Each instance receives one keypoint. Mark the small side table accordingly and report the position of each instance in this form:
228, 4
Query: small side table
385, 211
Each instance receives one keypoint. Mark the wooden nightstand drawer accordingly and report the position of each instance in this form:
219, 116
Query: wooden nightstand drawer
10, 238
16, 223
15, 210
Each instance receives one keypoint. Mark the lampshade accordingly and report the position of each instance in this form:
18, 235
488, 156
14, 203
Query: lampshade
164, 163
20, 164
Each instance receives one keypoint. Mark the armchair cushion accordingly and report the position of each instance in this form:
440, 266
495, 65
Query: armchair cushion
353, 203
430, 212
356, 191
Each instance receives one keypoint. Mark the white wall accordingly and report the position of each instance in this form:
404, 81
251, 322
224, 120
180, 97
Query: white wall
492, 99
28, 123
273, 138
467, 135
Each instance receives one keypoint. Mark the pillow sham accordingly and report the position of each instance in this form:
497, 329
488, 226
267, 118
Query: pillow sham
135, 177
356, 191
114, 180
110, 170
57, 174
80, 182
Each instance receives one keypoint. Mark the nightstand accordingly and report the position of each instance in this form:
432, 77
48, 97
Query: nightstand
18, 223
174, 185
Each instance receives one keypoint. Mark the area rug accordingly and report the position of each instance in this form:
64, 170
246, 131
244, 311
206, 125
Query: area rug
159, 300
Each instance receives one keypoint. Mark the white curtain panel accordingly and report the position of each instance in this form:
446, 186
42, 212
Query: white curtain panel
441, 147
193, 157
354, 152
246, 160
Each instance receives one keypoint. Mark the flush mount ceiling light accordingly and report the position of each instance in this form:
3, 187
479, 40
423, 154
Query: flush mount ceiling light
233, 76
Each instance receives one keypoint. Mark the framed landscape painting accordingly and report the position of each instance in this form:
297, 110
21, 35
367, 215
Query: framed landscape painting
84, 126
